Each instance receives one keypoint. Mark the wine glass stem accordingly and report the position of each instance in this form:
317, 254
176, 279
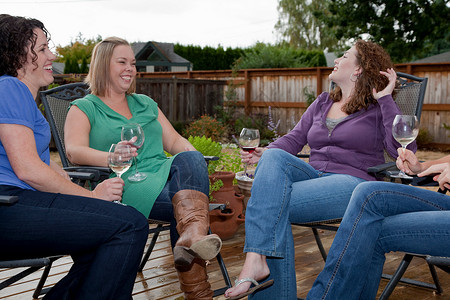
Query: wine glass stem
245, 169
135, 166
404, 150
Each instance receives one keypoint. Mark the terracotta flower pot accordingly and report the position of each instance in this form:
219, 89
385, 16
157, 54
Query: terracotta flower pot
225, 223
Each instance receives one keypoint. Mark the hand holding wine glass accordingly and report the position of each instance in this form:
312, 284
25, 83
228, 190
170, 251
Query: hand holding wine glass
405, 129
248, 141
134, 132
119, 159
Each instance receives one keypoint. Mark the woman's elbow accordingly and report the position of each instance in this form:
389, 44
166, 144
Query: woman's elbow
72, 156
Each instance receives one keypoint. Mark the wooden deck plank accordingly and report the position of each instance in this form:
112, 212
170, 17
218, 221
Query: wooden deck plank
159, 279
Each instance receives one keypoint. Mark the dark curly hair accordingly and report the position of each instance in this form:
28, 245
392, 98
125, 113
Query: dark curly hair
16, 34
372, 59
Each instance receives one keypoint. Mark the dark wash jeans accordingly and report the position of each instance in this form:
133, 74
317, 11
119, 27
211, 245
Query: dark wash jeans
188, 172
105, 240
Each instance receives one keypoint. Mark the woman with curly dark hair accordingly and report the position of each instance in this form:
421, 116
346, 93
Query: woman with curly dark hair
347, 131
55, 216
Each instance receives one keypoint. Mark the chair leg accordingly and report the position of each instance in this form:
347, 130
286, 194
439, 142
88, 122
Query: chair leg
150, 247
319, 244
436, 281
396, 277
39, 288
225, 275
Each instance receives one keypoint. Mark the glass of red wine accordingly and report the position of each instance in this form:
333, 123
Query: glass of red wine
248, 141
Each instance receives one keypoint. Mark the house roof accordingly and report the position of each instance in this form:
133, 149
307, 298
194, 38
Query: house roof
58, 68
443, 57
155, 51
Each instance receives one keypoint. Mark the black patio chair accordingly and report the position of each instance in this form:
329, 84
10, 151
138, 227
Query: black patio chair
409, 97
432, 261
56, 104
31, 265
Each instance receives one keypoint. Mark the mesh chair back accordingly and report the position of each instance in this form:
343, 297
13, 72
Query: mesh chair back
409, 97
56, 103
410, 94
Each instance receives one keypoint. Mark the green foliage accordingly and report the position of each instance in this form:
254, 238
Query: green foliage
299, 25
77, 53
214, 188
207, 147
424, 138
405, 28
206, 126
230, 160
209, 58
71, 66
228, 112
84, 66
447, 127
267, 56
310, 96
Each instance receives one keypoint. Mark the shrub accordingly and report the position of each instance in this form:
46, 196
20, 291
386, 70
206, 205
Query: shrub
206, 126
424, 138
207, 147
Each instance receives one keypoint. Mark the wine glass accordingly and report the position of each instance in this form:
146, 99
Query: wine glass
119, 159
248, 140
405, 129
130, 131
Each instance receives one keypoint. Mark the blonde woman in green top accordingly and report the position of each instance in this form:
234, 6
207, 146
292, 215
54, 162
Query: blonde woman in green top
176, 188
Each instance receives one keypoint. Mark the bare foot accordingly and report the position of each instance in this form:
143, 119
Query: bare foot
255, 266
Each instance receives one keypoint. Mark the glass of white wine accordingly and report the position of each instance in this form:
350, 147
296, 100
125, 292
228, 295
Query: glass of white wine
405, 129
130, 131
119, 159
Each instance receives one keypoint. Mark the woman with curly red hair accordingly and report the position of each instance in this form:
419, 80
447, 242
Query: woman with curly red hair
347, 131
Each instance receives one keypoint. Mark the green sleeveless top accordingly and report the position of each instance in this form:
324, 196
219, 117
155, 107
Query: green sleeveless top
106, 127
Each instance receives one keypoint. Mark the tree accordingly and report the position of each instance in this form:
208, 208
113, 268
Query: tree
77, 53
300, 27
405, 28
268, 56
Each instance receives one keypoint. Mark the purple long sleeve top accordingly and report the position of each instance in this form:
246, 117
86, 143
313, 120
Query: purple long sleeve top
355, 144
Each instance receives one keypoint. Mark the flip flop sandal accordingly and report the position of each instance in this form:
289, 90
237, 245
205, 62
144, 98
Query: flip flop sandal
256, 287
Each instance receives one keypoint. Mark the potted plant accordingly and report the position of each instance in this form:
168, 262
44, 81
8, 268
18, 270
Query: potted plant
222, 189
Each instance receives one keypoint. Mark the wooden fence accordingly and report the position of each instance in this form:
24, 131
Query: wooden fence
285, 91
181, 100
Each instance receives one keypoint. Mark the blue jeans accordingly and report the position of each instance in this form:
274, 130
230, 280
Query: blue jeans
105, 240
286, 189
188, 172
380, 218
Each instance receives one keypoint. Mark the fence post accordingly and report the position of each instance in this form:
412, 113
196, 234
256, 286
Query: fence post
247, 87
319, 81
174, 102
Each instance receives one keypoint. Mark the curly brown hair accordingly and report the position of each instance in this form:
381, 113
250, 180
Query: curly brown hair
16, 34
372, 59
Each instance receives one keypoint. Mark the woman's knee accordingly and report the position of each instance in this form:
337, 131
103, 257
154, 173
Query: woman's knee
273, 158
191, 161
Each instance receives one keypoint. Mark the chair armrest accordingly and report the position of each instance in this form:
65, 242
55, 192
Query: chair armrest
91, 173
8, 200
211, 158
383, 170
213, 206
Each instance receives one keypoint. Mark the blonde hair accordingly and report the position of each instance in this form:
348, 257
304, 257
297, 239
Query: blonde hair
98, 77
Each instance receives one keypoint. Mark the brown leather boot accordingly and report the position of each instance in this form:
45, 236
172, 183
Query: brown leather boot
191, 214
194, 281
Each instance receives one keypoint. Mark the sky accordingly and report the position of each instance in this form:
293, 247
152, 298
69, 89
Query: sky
229, 23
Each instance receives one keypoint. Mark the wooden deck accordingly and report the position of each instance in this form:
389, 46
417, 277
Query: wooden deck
159, 279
